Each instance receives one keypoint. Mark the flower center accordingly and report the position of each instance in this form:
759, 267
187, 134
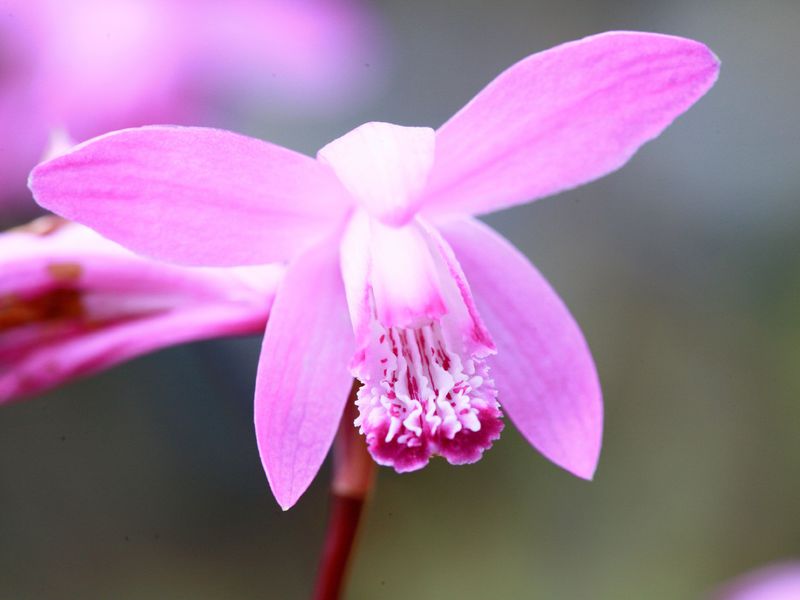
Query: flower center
420, 398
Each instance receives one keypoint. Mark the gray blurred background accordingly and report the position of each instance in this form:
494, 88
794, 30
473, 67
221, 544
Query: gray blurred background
683, 270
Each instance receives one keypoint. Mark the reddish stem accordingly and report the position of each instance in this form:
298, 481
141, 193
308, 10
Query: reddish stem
353, 476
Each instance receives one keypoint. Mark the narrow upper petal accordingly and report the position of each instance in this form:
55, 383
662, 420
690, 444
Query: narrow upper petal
193, 195
563, 117
543, 369
73, 303
303, 379
384, 167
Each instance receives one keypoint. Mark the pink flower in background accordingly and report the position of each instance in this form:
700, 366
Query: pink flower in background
774, 582
72, 303
450, 321
88, 66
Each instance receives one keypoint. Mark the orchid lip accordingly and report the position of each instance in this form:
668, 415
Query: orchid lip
421, 398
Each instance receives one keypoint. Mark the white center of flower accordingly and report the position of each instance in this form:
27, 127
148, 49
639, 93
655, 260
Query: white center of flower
419, 399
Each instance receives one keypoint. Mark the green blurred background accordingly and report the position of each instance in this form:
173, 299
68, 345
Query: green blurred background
683, 270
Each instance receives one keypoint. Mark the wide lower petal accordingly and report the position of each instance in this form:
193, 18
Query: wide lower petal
193, 195
563, 117
543, 369
303, 378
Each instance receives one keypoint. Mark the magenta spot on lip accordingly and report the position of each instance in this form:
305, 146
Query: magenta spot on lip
467, 446
402, 457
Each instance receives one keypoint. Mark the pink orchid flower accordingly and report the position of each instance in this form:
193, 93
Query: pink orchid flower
450, 321
774, 582
73, 303
92, 65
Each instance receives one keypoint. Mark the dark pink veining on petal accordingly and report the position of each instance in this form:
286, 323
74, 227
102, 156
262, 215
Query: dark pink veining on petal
422, 398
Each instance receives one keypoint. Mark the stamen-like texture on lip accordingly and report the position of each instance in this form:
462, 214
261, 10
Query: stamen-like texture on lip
420, 398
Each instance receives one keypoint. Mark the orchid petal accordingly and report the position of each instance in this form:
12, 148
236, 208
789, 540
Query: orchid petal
563, 117
404, 279
30, 367
43, 253
389, 271
461, 309
354, 260
73, 303
778, 581
543, 369
384, 167
303, 381
192, 195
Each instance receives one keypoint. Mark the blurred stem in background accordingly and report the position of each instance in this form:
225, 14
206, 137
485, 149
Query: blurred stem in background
353, 479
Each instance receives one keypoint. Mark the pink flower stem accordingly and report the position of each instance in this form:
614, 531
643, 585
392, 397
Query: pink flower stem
353, 478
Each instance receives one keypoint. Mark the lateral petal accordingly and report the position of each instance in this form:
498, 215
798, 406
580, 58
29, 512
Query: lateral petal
193, 195
543, 368
303, 379
563, 117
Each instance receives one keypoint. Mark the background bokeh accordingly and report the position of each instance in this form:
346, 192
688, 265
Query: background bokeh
683, 270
